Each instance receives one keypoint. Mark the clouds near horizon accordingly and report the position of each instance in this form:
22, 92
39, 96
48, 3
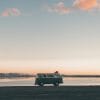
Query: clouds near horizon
86, 5
11, 12
58, 8
83, 5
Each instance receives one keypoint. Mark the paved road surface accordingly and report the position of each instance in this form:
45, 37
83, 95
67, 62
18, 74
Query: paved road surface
50, 93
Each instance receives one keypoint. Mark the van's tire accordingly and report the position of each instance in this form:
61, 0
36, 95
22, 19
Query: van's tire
41, 84
56, 84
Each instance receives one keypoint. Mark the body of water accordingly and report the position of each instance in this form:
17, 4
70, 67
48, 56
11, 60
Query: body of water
67, 81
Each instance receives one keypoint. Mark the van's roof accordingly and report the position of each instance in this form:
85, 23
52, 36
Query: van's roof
44, 73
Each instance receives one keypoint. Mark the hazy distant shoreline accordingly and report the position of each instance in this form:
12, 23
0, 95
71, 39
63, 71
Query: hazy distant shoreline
14, 75
81, 76
20, 75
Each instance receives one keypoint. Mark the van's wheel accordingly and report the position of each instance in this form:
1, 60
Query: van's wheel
41, 84
56, 84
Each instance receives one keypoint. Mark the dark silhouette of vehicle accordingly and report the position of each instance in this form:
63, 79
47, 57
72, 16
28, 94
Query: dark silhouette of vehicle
48, 78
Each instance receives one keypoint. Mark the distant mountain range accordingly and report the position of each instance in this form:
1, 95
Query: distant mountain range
14, 75
81, 75
21, 75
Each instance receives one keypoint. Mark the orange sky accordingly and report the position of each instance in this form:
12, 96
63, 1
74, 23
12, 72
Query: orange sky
49, 35
64, 67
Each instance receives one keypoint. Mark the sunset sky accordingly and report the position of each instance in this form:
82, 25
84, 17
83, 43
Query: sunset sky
49, 35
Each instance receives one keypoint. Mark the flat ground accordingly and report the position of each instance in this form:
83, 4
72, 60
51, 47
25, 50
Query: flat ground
50, 93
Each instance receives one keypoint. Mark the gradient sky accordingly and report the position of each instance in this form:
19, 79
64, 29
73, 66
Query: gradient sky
49, 35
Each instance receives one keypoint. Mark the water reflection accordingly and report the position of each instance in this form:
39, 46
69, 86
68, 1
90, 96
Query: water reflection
81, 81
67, 81
17, 82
